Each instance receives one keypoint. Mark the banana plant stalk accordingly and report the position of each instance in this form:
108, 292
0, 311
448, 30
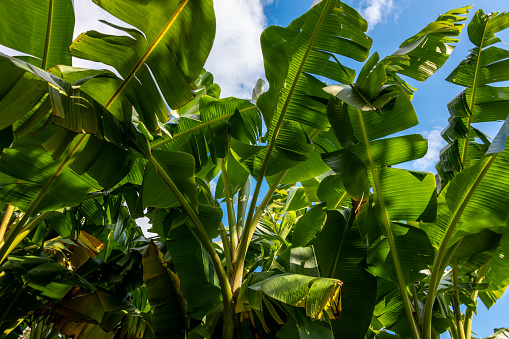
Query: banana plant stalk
397, 266
469, 314
248, 234
456, 300
232, 224
226, 291
5, 221
442, 259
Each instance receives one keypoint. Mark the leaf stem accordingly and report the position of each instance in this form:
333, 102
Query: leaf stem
7, 217
277, 127
439, 262
338, 251
232, 224
364, 98
226, 250
416, 303
397, 266
147, 53
340, 201
221, 274
240, 254
472, 100
107, 246
456, 299
469, 314
243, 201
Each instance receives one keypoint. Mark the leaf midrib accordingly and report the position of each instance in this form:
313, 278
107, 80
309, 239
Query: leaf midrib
48, 36
290, 92
147, 53
472, 98
200, 126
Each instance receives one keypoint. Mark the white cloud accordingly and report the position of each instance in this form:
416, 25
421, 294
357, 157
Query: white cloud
236, 58
144, 223
435, 144
88, 15
376, 11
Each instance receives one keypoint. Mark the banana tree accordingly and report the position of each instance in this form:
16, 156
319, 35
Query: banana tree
473, 170
281, 266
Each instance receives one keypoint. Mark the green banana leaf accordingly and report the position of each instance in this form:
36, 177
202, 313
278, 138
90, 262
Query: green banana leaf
308, 225
487, 64
314, 294
331, 191
461, 204
429, 49
496, 274
203, 129
295, 57
414, 250
27, 90
42, 30
340, 254
180, 167
194, 270
35, 167
164, 295
170, 41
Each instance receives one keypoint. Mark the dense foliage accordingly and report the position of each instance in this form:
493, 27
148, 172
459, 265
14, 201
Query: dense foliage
342, 245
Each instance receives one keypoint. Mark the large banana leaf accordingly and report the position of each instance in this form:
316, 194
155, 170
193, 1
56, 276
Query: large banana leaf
35, 167
164, 294
462, 207
84, 314
41, 29
340, 254
314, 294
203, 129
180, 167
414, 250
488, 63
195, 271
496, 274
294, 57
331, 191
31, 98
164, 51
428, 50
29, 90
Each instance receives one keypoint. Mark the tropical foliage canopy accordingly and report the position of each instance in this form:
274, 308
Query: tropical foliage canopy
343, 244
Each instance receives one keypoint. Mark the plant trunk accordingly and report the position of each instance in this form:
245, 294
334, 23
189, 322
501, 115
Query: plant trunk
230, 322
